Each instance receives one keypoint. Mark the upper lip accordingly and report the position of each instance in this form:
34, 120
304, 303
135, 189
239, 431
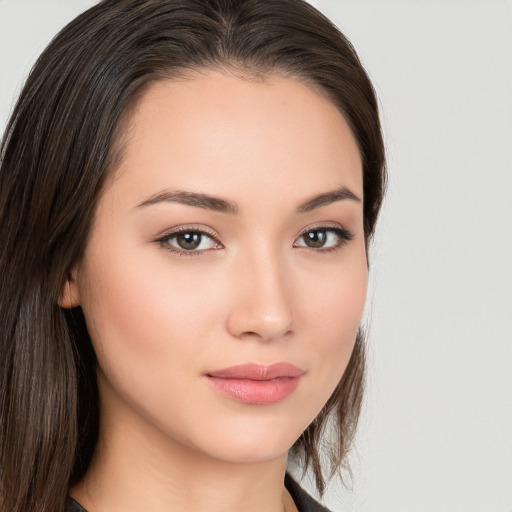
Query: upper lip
254, 371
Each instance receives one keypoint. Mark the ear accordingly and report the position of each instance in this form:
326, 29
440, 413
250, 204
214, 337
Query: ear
70, 295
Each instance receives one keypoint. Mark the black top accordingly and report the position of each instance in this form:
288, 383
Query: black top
303, 501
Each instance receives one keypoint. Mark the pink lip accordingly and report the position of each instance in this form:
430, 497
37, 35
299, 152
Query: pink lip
256, 384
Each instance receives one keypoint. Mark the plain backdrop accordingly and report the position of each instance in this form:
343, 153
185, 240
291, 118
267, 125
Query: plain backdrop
436, 432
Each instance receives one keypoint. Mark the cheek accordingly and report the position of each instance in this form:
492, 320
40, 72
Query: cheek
334, 308
343, 308
140, 310
335, 295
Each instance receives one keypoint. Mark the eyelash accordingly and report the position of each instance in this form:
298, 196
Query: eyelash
164, 240
344, 236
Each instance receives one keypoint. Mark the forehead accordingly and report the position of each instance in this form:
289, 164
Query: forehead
216, 129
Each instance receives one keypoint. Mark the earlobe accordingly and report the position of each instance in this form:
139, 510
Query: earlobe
70, 295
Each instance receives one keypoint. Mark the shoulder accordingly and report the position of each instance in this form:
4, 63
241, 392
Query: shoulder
304, 502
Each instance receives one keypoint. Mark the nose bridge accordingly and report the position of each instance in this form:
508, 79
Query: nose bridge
263, 300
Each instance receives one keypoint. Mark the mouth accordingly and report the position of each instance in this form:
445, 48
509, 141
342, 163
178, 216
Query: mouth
256, 384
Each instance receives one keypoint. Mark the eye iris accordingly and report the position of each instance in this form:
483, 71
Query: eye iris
189, 240
316, 238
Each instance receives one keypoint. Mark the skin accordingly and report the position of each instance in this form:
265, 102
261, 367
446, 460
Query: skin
253, 292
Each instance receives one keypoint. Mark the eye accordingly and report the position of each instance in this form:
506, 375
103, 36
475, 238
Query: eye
324, 238
189, 241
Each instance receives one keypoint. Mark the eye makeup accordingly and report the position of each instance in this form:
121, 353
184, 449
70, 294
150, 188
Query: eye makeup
187, 241
324, 238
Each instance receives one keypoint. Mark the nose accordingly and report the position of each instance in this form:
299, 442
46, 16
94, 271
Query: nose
262, 303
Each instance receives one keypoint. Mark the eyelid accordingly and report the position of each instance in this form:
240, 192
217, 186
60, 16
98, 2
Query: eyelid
186, 228
163, 239
324, 225
343, 233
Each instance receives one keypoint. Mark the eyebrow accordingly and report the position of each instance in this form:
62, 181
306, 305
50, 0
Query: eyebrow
192, 199
217, 204
326, 198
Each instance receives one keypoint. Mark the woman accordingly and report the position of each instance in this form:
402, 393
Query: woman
188, 190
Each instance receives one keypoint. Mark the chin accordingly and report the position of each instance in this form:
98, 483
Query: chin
250, 441
249, 451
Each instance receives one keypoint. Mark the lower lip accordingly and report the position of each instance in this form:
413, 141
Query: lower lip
256, 392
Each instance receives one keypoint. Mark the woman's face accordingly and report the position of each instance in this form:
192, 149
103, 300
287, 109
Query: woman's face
225, 275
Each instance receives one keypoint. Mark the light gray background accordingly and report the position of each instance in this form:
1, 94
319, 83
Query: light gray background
436, 434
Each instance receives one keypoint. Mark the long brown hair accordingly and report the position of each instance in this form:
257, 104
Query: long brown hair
61, 141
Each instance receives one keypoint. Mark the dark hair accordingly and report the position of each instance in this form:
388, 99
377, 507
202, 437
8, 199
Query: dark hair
61, 141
